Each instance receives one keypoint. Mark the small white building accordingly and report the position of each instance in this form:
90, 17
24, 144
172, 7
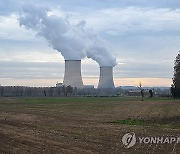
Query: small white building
59, 84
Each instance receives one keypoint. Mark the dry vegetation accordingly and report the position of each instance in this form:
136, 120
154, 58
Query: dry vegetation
85, 125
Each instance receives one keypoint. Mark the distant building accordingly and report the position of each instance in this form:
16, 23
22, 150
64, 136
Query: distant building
72, 74
89, 86
59, 84
137, 93
106, 78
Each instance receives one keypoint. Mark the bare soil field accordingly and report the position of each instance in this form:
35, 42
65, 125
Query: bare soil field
86, 125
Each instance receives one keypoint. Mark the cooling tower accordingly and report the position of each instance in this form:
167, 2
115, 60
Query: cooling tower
106, 78
72, 74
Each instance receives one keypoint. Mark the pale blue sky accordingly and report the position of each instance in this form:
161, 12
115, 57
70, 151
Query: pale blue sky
144, 36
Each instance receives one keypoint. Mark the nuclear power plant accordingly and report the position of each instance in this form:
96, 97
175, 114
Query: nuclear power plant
72, 74
80, 43
106, 78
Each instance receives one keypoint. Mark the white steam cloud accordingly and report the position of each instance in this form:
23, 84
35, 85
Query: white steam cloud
74, 42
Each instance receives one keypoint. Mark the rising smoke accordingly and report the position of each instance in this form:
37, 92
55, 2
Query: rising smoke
73, 41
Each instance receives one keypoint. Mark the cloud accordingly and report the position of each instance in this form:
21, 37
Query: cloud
149, 3
143, 34
31, 70
8, 7
144, 70
74, 42
98, 4
10, 29
133, 20
55, 70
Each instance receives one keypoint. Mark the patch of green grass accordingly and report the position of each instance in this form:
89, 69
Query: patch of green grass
55, 100
71, 100
170, 122
58, 100
130, 122
158, 98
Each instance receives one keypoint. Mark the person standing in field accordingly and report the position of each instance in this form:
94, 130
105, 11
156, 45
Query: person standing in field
142, 94
151, 93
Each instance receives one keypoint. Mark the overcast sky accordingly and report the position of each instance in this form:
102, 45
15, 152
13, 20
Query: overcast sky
144, 36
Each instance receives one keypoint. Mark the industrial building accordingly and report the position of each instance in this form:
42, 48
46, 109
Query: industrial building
106, 78
72, 74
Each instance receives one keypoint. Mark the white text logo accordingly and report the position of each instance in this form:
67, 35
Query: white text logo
129, 140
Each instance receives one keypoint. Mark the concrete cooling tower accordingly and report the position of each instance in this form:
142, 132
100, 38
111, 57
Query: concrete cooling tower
72, 74
106, 78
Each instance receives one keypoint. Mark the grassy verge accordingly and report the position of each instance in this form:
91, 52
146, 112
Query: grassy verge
169, 122
47, 100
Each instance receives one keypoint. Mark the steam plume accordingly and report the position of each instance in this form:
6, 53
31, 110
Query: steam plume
74, 42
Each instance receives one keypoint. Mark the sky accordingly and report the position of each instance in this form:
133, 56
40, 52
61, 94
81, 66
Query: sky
144, 36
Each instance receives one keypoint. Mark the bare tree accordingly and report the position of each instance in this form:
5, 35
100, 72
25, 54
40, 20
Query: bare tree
142, 91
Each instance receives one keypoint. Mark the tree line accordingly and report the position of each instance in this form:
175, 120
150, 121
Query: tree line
21, 91
18, 91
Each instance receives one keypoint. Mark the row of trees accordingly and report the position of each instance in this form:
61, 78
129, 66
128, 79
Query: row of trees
20, 91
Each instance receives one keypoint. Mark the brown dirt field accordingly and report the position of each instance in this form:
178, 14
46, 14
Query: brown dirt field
80, 125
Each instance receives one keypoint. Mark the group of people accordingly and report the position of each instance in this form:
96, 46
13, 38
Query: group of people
150, 93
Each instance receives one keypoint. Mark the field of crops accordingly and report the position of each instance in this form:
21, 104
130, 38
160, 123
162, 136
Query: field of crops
87, 124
